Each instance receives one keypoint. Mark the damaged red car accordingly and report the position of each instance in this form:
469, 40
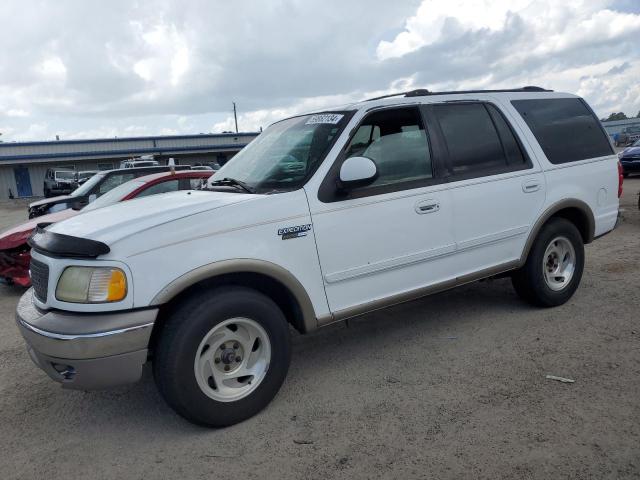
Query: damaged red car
15, 254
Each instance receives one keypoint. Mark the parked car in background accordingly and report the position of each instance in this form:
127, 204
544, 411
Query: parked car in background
95, 187
207, 165
59, 181
401, 197
83, 176
627, 136
630, 158
15, 253
140, 162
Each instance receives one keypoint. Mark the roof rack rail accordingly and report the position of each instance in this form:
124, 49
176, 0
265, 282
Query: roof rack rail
422, 92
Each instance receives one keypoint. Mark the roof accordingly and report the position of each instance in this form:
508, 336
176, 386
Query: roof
423, 92
425, 96
131, 139
109, 148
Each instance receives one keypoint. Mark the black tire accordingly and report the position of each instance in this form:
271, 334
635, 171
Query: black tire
47, 193
529, 281
173, 364
625, 175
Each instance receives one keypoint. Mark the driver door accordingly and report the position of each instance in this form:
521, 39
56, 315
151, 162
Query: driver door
392, 238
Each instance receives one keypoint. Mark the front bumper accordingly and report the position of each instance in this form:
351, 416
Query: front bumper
86, 351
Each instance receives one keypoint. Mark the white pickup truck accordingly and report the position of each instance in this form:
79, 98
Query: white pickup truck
323, 217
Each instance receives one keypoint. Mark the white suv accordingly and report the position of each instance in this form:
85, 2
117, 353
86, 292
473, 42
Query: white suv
321, 218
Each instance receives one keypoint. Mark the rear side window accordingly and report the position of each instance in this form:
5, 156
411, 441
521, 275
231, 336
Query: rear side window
512, 150
478, 139
565, 128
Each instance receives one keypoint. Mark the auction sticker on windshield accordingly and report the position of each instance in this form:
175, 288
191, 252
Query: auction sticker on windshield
332, 118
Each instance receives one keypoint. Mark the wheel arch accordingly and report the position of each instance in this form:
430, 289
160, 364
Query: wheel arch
574, 210
266, 277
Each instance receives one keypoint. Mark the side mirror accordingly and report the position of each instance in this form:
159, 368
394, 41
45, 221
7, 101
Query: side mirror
357, 172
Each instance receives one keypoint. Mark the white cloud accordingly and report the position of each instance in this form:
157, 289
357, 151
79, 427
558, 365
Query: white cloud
436, 18
16, 112
166, 58
154, 66
53, 69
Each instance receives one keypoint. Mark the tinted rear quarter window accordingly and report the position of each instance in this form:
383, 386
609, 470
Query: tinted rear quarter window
510, 145
565, 128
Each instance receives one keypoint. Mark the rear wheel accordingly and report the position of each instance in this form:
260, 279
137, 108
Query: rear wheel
222, 356
554, 266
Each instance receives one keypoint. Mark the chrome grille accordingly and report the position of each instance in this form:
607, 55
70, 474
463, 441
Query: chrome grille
39, 279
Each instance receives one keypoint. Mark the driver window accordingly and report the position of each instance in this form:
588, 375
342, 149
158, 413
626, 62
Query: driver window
395, 139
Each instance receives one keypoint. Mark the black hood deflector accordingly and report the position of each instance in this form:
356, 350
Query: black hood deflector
59, 245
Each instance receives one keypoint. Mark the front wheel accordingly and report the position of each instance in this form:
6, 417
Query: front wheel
554, 266
222, 356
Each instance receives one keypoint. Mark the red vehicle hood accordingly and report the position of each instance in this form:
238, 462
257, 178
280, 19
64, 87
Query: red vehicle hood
18, 235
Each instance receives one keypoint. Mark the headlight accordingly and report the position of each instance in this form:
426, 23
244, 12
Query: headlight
91, 285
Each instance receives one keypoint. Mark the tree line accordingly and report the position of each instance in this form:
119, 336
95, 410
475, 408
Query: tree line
618, 116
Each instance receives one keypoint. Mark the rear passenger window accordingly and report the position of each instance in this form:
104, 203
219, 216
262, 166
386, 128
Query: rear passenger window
478, 139
565, 128
395, 139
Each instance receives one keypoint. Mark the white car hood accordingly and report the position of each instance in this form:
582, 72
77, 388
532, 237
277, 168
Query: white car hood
112, 223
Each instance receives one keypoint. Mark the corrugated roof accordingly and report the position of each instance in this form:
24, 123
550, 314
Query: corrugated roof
130, 139
126, 146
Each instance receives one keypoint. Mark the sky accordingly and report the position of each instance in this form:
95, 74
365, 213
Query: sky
94, 69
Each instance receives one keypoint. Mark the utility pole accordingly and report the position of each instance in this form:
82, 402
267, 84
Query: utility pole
235, 116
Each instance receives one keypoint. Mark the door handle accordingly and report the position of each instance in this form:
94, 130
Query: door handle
427, 206
530, 187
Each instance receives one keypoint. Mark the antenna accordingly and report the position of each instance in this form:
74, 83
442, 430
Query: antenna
235, 116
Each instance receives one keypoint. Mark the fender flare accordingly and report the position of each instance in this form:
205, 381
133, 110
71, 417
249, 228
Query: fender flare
551, 211
242, 265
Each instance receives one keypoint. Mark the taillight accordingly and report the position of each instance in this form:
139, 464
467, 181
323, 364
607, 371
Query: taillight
620, 179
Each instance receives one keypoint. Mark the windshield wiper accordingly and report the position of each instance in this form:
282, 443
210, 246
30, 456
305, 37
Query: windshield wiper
233, 182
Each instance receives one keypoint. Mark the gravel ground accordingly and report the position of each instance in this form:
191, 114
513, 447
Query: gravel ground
437, 388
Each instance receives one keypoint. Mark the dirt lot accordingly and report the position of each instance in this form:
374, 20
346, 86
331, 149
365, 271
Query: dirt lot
452, 386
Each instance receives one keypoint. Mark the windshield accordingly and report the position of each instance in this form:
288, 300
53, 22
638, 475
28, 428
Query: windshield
115, 195
286, 154
87, 186
636, 143
64, 175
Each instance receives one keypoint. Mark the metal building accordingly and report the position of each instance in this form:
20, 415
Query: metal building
615, 126
23, 165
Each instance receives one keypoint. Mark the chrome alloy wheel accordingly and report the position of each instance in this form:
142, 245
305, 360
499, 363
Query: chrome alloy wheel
559, 263
232, 359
